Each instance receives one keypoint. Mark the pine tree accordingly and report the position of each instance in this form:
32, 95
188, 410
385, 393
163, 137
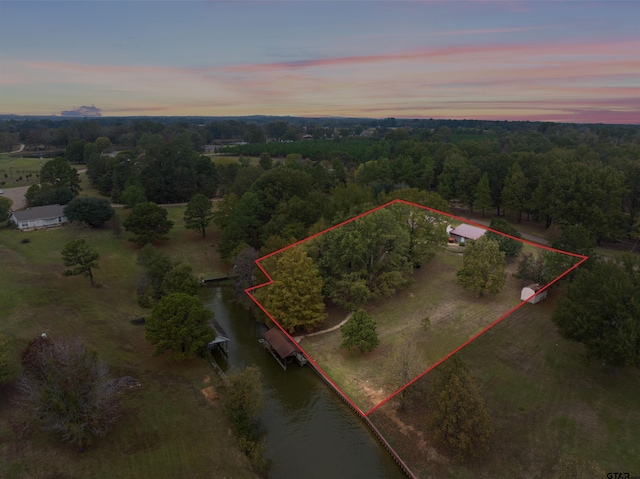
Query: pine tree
461, 421
82, 257
515, 191
482, 199
198, 214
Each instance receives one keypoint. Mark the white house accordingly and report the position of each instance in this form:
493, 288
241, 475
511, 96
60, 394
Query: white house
528, 292
39, 217
465, 232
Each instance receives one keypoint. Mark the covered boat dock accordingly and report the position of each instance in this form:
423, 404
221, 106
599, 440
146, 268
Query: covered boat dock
221, 340
282, 348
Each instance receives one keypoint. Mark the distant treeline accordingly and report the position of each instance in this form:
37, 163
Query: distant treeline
321, 170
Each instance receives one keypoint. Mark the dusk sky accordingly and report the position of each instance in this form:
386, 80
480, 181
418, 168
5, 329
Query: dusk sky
507, 60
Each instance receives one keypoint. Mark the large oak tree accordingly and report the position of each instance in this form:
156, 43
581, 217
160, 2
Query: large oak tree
483, 267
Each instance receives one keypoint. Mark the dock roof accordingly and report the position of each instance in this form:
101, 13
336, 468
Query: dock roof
280, 343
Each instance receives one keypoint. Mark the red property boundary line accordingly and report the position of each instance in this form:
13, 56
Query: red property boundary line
345, 397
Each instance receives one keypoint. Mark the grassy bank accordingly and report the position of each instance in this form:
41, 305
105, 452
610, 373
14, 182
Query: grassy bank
168, 428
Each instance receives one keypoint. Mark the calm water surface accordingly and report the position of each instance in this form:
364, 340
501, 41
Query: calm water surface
311, 433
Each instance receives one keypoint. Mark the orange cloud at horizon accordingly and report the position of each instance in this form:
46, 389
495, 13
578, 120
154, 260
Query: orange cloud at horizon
542, 81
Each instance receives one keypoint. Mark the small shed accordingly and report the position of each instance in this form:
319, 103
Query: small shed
529, 291
464, 232
47, 216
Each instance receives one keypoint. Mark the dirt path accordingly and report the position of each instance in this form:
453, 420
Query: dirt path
324, 331
18, 150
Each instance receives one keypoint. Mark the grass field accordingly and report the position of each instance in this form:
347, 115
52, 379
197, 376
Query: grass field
19, 171
545, 401
169, 429
454, 315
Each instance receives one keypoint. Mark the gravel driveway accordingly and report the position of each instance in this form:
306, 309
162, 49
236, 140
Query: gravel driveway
17, 196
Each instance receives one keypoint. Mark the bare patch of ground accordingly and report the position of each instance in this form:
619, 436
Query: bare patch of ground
210, 393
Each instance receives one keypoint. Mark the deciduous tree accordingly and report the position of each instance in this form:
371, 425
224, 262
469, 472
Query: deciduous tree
242, 274
401, 365
294, 299
373, 249
483, 267
91, 210
59, 174
103, 144
242, 400
198, 214
156, 265
5, 207
67, 389
81, 258
510, 247
132, 195
180, 323
602, 310
149, 222
359, 333
180, 279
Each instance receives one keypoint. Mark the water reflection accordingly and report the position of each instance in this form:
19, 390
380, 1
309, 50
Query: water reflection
311, 433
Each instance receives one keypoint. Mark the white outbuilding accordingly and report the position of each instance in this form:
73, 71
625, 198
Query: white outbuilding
528, 292
465, 232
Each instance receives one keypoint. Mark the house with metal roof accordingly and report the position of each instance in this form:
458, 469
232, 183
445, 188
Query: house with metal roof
47, 216
464, 232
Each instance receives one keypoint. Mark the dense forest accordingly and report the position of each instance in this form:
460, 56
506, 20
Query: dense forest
316, 172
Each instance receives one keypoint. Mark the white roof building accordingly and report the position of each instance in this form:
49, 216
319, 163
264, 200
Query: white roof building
465, 232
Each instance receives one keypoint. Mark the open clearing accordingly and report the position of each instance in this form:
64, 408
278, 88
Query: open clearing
455, 316
169, 428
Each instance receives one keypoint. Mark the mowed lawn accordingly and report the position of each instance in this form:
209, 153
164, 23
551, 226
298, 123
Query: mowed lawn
545, 402
455, 315
168, 428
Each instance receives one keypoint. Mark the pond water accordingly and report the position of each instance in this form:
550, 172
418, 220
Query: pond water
311, 433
